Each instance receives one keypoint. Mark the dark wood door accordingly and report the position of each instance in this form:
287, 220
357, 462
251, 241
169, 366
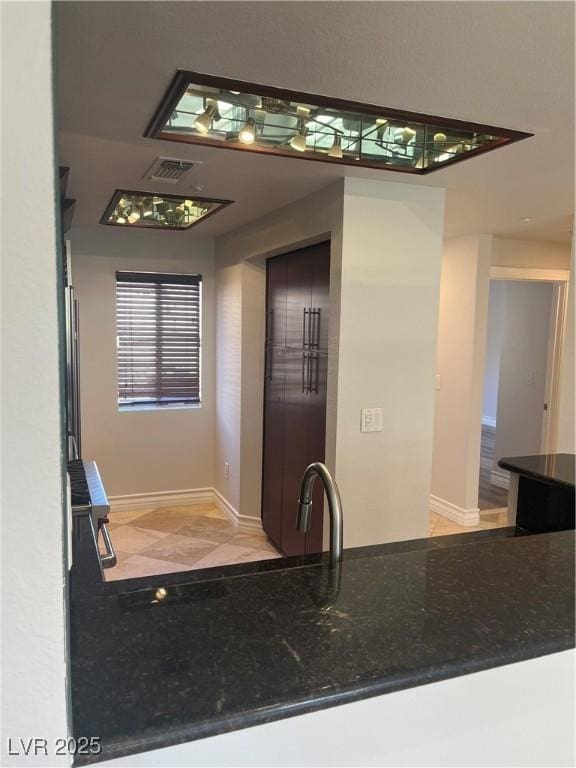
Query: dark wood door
276, 302
295, 394
298, 298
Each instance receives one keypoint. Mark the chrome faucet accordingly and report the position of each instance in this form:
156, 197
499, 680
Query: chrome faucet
334, 506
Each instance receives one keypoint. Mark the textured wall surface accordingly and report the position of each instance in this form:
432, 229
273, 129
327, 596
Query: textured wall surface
33, 610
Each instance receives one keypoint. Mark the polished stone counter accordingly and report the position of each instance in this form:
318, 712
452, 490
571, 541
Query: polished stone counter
210, 653
553, 468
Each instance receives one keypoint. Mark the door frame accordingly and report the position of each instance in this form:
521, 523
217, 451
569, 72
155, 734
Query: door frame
559, 278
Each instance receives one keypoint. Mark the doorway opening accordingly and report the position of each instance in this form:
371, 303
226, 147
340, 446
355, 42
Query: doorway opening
525, 326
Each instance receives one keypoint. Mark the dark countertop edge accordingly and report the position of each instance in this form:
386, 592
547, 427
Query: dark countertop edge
508, 464
218, 725
98, 588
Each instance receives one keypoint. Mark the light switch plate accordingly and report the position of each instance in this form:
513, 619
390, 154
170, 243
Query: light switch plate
371, 420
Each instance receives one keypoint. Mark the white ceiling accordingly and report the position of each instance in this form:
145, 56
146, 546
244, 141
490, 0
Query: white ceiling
509, 64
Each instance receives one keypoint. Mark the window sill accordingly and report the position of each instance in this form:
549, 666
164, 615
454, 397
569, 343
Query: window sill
156, 407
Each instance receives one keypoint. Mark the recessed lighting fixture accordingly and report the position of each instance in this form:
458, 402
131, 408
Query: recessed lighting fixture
203, 122
248, 131
526, 220
336, 148
298, 141
259, 118
146, 210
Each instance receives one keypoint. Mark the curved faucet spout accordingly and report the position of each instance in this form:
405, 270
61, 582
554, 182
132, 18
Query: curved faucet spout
334, 506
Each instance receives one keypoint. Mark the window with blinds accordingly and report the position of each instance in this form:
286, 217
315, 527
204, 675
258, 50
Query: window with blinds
158, 339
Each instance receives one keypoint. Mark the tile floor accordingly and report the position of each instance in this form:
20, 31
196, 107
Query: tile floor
167, 540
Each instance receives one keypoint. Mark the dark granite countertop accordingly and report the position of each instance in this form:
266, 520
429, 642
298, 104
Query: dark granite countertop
220, 653
554, 468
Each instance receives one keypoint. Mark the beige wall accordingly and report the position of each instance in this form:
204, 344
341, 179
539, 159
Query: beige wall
391, 258
34, 696
566, 416
460, 365
508, 252
143, 451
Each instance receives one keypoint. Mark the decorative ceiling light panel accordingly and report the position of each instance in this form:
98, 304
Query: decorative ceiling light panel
145, 209
217, 112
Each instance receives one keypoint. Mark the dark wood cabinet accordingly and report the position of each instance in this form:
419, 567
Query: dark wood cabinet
298, 286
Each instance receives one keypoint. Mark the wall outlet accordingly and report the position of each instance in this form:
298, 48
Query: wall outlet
437, 382
226, 470
371, 420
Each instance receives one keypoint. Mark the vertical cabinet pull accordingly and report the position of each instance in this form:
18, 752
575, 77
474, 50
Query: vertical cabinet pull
314, 328
269, 326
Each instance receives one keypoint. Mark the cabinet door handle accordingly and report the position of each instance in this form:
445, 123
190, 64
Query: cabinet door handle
304, 372
269, 326
315, 334
305, 328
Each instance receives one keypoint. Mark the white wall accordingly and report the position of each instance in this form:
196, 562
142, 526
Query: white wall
460, 365
144, 451
523, 364
566, 413
33, 530
511, 252
391, 259
493, 347
518, 715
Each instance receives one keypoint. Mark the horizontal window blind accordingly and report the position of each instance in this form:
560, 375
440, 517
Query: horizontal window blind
158, 338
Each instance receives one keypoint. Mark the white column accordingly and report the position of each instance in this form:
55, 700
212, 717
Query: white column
391, 258
33, 610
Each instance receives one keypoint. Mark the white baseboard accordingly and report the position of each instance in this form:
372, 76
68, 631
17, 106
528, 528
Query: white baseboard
453, 512
242, 521
186, 497
500, 478
135, 501
489, 421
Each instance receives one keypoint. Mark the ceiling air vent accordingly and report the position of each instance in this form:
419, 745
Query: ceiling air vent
168, 170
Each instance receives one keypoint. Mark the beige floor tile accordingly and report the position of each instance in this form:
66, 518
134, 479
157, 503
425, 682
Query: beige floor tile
183, 549
166, 519
217, 513
123, 518
133, 539
171, 539
208, 529
225, 554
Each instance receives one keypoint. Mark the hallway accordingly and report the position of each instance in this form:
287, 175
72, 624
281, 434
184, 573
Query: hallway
489, 496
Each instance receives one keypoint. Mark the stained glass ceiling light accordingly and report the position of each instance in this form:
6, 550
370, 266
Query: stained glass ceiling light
219, 112
151, 211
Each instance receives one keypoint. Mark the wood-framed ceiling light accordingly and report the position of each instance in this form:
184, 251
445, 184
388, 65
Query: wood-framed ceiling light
220, 112
152, 210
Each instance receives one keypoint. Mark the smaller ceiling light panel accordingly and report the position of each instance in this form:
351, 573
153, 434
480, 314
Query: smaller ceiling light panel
145, 209
218, 112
